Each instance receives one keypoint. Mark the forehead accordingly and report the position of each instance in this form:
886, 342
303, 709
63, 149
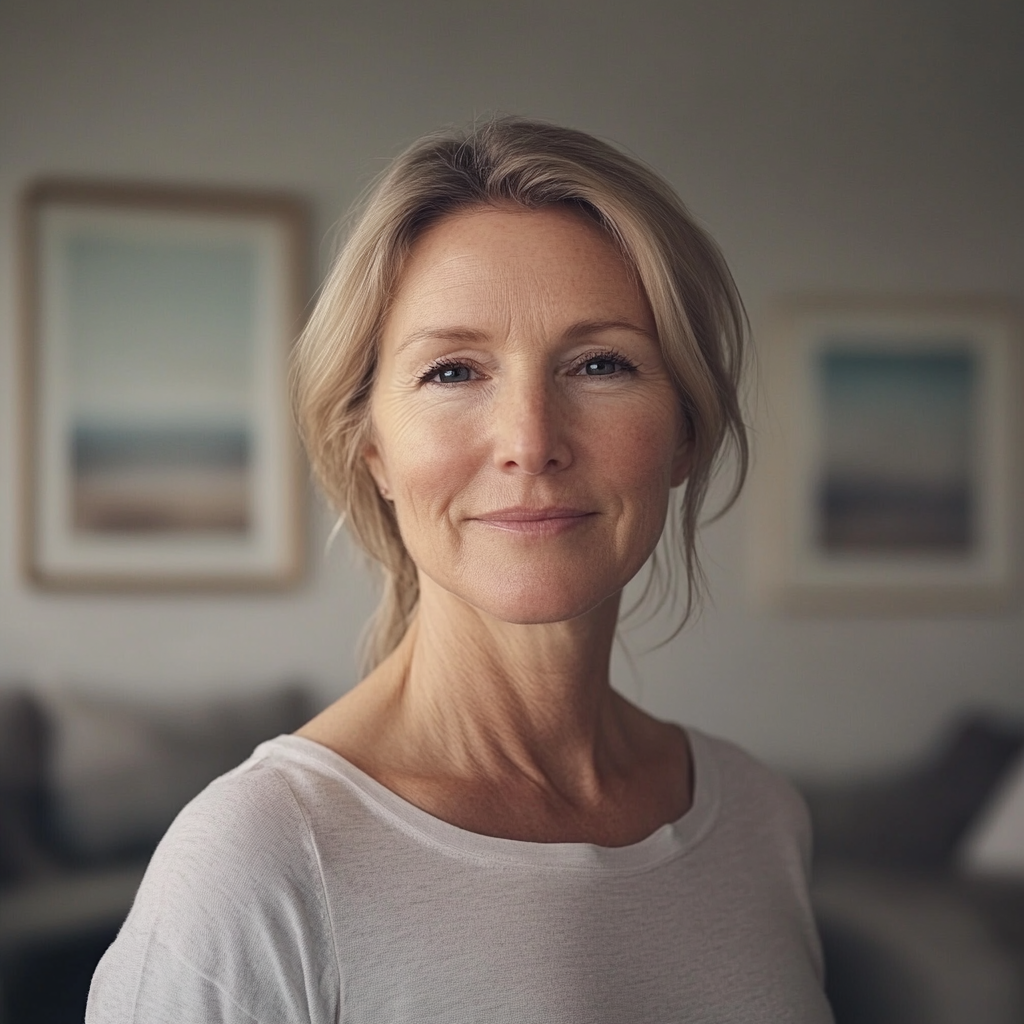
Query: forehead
516, 231
490, 262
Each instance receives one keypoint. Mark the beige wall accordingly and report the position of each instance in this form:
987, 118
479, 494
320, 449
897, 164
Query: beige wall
827, 144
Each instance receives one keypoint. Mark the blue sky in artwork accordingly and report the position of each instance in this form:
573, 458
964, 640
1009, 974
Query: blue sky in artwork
897, 415
152, 320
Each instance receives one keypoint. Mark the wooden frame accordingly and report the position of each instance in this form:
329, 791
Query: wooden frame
886, 474
159, 451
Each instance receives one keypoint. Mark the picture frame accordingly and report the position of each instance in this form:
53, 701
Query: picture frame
158, 445
887, 456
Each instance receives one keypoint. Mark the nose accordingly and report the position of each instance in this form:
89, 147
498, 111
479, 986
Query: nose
530, 424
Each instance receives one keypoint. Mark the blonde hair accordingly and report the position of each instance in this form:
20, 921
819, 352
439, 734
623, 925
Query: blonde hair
700, 319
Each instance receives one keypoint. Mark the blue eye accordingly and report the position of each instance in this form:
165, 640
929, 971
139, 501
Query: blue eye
453, 374
604, 364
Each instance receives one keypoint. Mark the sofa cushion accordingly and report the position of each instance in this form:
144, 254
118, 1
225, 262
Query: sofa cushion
903, 947
994, 845
67, 906
916, 819
121, 770
23, 749
1000, 900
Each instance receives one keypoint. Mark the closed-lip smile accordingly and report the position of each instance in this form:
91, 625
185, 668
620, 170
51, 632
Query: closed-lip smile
534, 520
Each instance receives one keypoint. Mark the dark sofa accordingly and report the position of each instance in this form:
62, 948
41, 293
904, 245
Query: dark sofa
909, 936
88, 786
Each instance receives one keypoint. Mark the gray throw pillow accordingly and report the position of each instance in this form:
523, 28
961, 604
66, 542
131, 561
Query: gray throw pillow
121, 770
915, 819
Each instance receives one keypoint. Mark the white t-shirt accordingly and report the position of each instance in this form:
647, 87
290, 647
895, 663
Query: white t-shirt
298, 889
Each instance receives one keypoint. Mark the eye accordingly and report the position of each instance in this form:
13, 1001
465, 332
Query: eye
452, 375
604, 364
448, 373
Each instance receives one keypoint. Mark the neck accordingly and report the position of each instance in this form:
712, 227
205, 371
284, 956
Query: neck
533, 700
511, 730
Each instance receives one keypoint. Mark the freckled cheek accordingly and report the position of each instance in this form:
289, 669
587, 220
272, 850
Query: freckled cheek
639, 454
429, 465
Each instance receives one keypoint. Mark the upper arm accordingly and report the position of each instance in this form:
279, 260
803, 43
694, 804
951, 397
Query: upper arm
230, 923
140, 981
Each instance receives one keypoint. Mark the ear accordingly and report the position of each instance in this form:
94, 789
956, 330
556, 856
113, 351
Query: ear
375, 464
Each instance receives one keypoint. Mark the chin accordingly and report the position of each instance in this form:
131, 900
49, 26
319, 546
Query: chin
534, 601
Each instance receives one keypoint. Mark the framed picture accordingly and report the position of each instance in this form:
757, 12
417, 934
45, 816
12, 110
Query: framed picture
886, 476
159, 449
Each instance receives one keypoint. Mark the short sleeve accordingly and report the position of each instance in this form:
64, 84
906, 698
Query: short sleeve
230, 923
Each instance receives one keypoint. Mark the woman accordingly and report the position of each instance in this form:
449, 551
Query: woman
525, 346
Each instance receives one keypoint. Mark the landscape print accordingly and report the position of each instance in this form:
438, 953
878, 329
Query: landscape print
160, 435
161, 454
897, 473
147, 478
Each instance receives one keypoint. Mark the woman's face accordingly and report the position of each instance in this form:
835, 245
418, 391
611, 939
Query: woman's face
524, 423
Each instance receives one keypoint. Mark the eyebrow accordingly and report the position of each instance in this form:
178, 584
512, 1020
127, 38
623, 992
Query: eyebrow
465, 334
574, 332
584, 328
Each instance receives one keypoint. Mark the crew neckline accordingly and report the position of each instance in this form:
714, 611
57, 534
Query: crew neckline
667, 842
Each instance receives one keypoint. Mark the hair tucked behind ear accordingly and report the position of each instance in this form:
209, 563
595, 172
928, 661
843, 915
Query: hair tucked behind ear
508, 160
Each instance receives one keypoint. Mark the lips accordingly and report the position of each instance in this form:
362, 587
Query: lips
533, 520
526, 514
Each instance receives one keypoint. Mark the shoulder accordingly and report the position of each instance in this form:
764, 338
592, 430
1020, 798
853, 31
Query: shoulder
762, 836
247, 831
233, 902
753, 798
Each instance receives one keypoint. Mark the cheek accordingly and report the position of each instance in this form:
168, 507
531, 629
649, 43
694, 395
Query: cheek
640, 449
426, 460
639, 458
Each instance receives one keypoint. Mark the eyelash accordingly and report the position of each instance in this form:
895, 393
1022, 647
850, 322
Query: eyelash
607, 356
602, 356
442, 364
